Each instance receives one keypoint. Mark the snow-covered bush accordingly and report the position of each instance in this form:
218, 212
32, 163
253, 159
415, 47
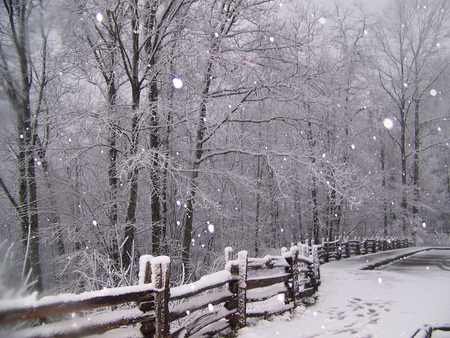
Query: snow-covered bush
11, 285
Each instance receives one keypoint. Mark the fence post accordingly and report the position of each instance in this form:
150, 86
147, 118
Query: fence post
160, 279
242, 289
315, 257
295, 279
145, 276
228, 254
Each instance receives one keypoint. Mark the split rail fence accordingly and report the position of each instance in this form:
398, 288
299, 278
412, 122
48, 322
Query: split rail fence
247, 287
345, 248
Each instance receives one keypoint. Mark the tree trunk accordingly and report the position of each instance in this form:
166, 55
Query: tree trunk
130, 217
383, 184
112, 165
416, 167
154, 145
404, 212
151, 48
18, 13
315, 208
258, 203
187, 238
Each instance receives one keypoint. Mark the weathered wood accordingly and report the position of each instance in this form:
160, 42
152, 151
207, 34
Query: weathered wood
295, 275
161, 278
306, 293
354, 247
146, 306
271, 312
242, 289
208, 319
255, 296
261, 282
90, 325
213, 329
55, 306
197, 303
228, 254
316, 266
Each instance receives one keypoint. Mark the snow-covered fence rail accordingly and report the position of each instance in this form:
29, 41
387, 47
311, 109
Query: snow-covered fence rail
226, 298
344, 248
71, 315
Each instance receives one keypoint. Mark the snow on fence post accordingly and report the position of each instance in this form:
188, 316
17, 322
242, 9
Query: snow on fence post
295, 274
315, 257
145, 269
228, 254
305, 250
242, 289
145, 276
160, 267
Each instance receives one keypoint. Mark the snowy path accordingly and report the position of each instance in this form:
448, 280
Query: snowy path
371, 303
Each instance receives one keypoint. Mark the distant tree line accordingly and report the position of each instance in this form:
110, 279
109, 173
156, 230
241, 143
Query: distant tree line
180, 127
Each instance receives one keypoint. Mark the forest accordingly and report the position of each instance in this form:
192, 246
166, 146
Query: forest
181, 127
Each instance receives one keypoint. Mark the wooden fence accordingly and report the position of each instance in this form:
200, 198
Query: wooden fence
247, 287
345, 248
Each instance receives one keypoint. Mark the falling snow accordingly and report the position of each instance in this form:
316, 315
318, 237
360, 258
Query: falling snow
177, 83
99, 17
388, 123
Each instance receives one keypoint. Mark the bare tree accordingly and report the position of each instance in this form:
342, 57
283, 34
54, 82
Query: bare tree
409, 37
24, 78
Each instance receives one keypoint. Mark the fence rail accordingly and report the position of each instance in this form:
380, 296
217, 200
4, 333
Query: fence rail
246, 287
345, 247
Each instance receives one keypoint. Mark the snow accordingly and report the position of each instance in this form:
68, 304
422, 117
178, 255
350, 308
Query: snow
198, 302
228, 249
163, 260
177, 83
204, 282
228, 253
100, 319
268, 260
23, 303
211, 228
143, 260
261, 294
388, 123
369, 303
99, 17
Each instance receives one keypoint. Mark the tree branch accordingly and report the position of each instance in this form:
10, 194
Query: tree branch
8, 194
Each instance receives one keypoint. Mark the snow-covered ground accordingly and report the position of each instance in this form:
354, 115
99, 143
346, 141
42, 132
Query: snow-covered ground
369, 303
